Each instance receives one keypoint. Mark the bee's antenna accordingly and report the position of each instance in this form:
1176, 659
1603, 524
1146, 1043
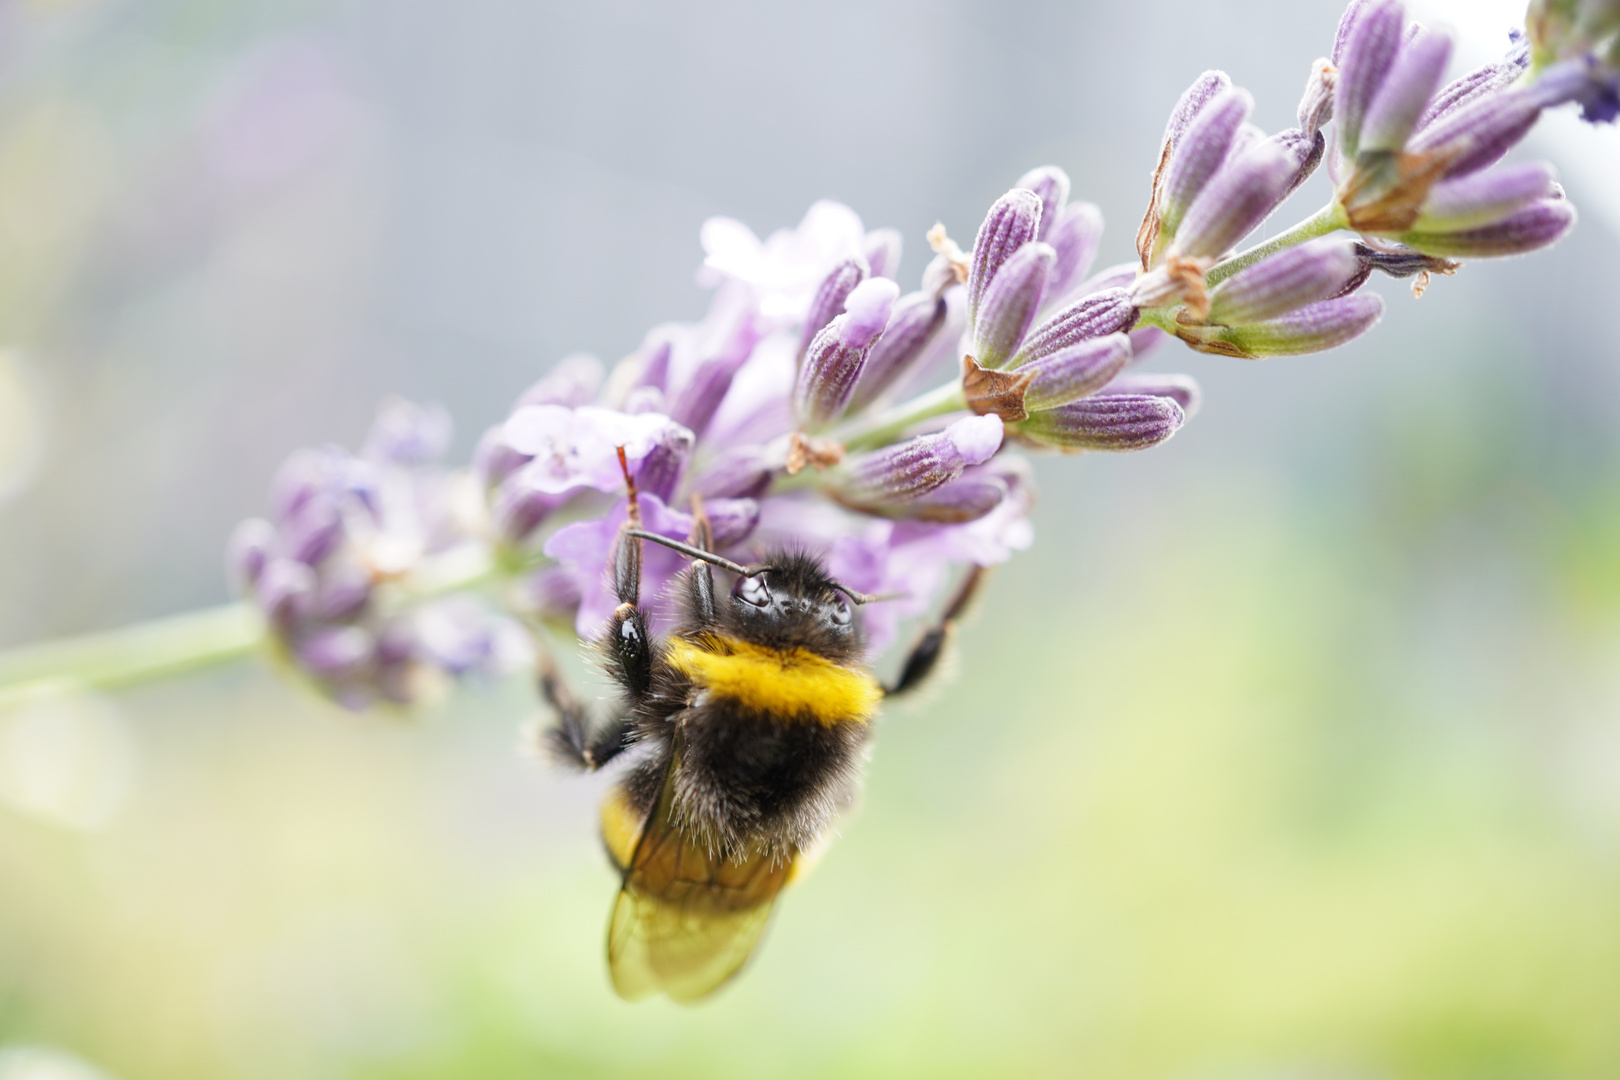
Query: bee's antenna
869, 598
696, 553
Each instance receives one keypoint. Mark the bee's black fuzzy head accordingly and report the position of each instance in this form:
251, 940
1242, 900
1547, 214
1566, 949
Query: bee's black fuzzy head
793, 603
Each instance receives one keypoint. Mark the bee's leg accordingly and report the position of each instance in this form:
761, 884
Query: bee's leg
571, 740
924, 656
627, 643
701, 581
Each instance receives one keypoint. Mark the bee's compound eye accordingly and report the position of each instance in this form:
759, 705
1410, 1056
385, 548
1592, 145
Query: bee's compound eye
840, 610
752, 590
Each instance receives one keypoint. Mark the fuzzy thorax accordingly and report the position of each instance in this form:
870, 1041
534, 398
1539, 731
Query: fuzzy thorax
792, 684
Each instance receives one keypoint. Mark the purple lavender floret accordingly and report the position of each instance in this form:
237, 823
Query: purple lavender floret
342, 569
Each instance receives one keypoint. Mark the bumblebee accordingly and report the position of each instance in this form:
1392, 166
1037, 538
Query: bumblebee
747, 728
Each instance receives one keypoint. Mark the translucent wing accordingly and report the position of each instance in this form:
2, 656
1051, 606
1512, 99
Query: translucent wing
686, 920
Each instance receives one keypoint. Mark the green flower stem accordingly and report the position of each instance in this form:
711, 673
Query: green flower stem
181, 643
131, 654
1326, 220
884, 429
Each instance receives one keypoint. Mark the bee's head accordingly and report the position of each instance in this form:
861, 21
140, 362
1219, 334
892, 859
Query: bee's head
791, 601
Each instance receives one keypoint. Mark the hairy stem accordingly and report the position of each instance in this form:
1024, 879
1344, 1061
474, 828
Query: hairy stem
1326, 220
883, 429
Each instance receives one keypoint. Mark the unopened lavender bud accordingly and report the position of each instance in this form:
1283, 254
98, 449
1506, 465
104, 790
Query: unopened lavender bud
1479, 134
1182, 389
342, 594
741, 472
519, 508
1205, 146
732, 520
1404, 96
1070, 374
967, 498
1483, 197
572, 381
1074, 237
697, 402
1239, 198
1013, 221
883, 252
910, 470
916, 318
1364, 58
1008, 307
1316, 105
1466, 89
1207, 87
1304, 150
1052, 185
335, 652
1347, 24
286, 591
1535, 226
1314, 328
250, 548
1285, 281
832, 366
1107, 312
661, 469
830, 297
1111, 423
314, 533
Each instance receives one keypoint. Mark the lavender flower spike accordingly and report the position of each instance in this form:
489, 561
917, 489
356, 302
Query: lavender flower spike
1013, 221
1010, 303
1287, 280
1111, 423
899, 474
832, 366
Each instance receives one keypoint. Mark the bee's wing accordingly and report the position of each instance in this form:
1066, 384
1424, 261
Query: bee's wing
686, 920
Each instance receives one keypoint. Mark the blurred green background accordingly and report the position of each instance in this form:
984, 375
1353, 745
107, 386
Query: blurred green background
1291, 750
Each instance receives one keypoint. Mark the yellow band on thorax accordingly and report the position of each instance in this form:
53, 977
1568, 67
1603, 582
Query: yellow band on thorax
788, 683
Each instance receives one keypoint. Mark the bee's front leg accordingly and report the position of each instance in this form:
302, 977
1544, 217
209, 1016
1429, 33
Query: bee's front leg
924, 656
